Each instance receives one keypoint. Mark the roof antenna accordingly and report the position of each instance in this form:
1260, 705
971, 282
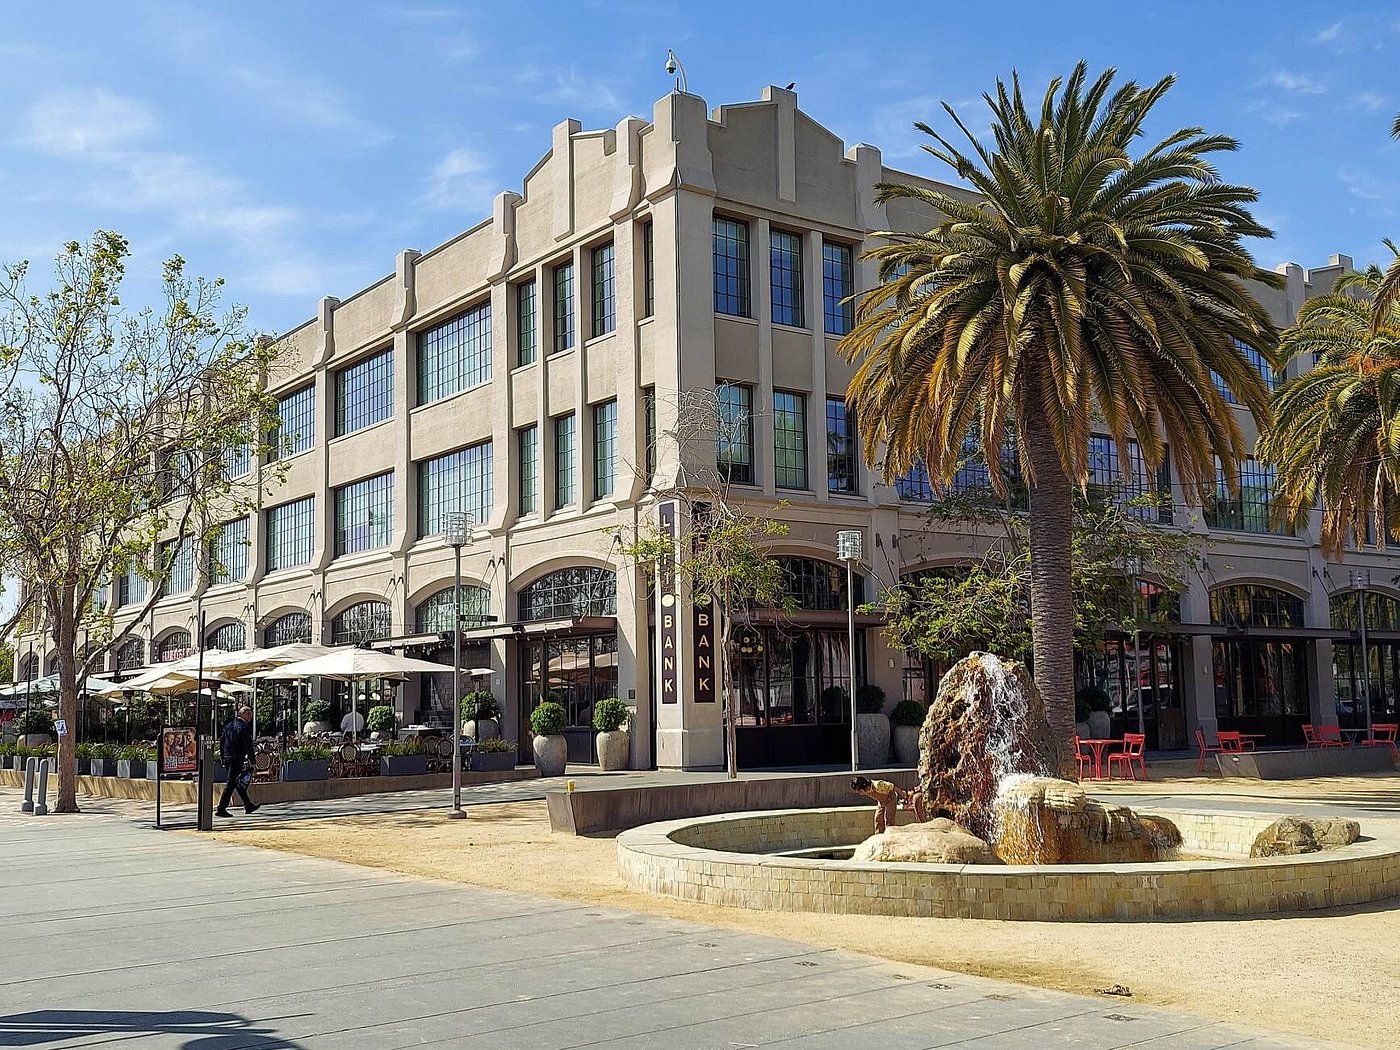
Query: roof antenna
673, 64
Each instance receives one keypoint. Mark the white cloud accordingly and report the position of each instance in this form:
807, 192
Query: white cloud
1366, 187
305, 100
460, 182
73, 123
569, 87
1298, 83
1271, 112
458, 48
1329, 35
1370, 101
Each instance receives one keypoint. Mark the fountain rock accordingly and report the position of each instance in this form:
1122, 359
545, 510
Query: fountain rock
987, 722
1290, 836
1040, 820
937, 841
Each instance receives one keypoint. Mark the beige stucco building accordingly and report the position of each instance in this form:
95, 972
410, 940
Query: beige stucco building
531, 370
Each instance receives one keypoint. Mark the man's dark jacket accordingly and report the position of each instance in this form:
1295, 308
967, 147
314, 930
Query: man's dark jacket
236, 745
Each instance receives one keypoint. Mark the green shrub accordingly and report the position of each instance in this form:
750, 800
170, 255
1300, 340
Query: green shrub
870, 699
480, 704
548, 719
318, 711
1090, 698
381, 719
23, 750
609, 715
307, 753
35, 720
400, 748
136, 753
82, 750
105, 752
837, 697
494, 746
7, 750
908, 713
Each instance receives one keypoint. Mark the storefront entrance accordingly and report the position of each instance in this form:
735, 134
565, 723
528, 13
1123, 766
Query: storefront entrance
575, 671
1140, 674
1260, 680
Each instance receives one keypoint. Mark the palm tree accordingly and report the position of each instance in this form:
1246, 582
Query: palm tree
1336, 430
1086, 287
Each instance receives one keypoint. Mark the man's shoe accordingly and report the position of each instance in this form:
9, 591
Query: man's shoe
252, 808
222, 813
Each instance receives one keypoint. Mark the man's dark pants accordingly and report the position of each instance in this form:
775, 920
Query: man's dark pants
233, 785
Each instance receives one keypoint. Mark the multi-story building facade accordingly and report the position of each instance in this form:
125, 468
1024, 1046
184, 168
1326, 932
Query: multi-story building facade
530, 371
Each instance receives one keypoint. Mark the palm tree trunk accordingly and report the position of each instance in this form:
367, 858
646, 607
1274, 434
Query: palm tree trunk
1052, 600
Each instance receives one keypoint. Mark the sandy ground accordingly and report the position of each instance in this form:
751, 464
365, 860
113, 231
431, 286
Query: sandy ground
1325, 974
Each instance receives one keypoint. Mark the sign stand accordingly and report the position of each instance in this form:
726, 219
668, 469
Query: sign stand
178, 753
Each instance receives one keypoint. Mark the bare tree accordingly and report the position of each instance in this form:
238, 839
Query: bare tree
120, 428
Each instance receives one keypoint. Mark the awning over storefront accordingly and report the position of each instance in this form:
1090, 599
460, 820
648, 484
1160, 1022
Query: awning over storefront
1221, 632
518, 629
806, 618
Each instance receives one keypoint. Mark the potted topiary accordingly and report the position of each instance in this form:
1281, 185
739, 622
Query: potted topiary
551, 749
19, 756
7, 753
907, 719
380, 722
872, 727
103, 762
481, 715
83, 753
306, 762
493, 755
133, 759
318, 717
35, 727
1091, 707
403, 758
609, 718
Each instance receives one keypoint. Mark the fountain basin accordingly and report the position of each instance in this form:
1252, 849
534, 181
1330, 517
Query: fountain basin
735, 860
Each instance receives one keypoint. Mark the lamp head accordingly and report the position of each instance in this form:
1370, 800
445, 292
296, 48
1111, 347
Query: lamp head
457, 528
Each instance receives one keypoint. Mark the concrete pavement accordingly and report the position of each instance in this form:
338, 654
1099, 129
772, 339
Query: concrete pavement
120, 935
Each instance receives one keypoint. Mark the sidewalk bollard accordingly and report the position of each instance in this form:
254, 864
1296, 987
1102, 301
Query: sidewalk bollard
41, 804
30, 766
204, 787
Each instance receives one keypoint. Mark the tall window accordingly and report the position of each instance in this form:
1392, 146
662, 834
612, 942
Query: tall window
840, 447
291, 534
604, 290
563, 306
785, 267
1273, 380
915, 485
434, 613
460, 480
818, 585
649, 431
228, 553
838, 284
237, 459
131, 655
526, 317
230, 637
1254, 605
362, 623
364, 393
734, 439
604, 449
569, 593
528, 441
1108, 482
648, 270
131, 587
789, 440
1248, 510
732, 267
177, 562
296, 423
565, 475
455, 355
292, 629
364, 514
174, 646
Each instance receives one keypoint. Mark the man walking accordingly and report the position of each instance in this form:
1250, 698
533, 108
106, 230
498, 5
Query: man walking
235, 751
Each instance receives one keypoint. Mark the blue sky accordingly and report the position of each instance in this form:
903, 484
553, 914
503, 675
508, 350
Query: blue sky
294, 148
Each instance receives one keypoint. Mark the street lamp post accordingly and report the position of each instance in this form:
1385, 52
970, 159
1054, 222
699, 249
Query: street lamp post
1361, 582
457, 533
848, 549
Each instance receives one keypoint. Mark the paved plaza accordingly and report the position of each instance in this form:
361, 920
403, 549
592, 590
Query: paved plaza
121, 935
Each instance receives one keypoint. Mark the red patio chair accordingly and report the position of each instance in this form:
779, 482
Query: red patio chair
1329, 736
1130, 756
1310, 736
1206, 749
1084, 758
1232, 741
1383, 735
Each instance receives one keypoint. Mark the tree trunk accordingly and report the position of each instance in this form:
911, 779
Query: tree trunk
1052, 600
66, 636
731, 735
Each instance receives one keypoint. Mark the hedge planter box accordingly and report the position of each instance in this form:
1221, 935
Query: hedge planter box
493, 761
131, 768
17, 762
306, 769
84, 767
403, 765
103, 767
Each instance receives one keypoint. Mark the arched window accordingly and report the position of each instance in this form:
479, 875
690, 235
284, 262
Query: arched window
174, 646
568, 593
51, 663
1382, 611
366, 622
29, 668
818, 585
435, 612
131, 655
1254, 605
230, 637
292, 629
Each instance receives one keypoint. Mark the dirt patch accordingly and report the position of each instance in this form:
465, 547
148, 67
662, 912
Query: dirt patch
1325, 974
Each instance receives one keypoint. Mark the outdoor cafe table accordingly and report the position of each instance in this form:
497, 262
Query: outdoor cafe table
1354, 735
1097, 744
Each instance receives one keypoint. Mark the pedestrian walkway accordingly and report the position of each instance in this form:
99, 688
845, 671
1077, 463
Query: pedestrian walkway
118, 934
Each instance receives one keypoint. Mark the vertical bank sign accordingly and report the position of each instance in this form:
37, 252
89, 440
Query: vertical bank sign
667, 636
704, 649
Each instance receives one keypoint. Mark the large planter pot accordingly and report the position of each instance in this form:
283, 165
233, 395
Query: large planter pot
16, 762
133, 768
313, 728
493, 761
906, 745
103, 767
614, 750
402, 765
551, 755
84, 767
1100, 725
481, 728
873, 739
306, 769
1082, 729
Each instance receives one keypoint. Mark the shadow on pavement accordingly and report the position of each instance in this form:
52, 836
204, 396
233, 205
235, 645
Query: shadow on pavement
202, 1029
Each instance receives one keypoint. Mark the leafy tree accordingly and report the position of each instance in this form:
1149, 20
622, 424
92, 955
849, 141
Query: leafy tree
1336, 430
114, 435
1087, 283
